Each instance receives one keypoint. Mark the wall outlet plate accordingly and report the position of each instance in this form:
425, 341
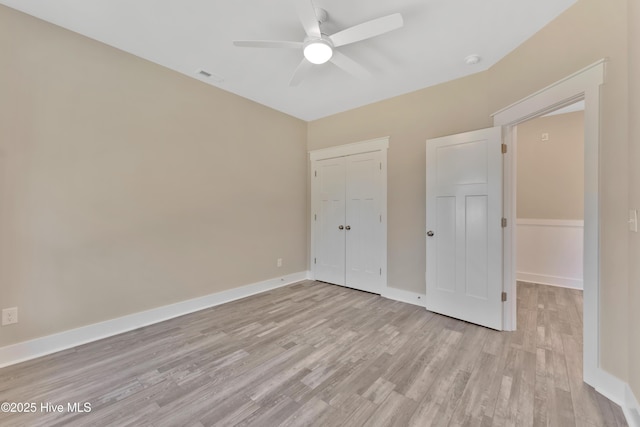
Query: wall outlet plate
9, 316
633, 220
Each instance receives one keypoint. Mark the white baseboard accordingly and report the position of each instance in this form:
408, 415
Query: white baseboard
562, 282
620, 393
609, 386
27, 350
631, 408
403, 296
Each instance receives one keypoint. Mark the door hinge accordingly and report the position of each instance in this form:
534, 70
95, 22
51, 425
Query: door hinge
315, 173
380, 218
504, 148
314, 260
315, 217
380, 165
504, 296
504, 222
381, 271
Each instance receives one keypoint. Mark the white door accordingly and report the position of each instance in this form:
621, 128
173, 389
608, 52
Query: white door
330, 221
464, 226
363, 222
349, 232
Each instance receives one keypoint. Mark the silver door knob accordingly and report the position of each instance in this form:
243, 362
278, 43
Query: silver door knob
348, 227
430, 233
340, 227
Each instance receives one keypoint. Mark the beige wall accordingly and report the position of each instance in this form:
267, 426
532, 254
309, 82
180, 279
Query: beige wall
585, 33
126, 186
634, 195
550, 174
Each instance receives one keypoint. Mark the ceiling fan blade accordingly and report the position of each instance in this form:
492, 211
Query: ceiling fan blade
268, 43
367, 30
301, 71
349, 65
308, 18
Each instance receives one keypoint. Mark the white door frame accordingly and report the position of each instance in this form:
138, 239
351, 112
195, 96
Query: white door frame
584, 84
378, 144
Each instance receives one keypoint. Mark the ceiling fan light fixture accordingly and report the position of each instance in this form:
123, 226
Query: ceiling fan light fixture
318, 51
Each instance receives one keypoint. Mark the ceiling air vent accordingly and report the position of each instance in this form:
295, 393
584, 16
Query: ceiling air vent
209, 75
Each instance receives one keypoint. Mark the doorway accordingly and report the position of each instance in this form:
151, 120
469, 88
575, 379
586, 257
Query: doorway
584, 84
549, 152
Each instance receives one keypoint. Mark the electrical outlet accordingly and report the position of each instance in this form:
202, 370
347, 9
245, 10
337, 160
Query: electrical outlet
633, 220
9, 316
279, 262
545, 137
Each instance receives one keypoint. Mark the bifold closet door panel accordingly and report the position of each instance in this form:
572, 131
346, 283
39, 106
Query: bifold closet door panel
363, 221
330, 222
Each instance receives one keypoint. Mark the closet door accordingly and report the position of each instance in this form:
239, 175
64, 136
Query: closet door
363, 225
330, 221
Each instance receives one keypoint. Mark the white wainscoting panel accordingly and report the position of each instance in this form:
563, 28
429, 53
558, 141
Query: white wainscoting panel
550, 251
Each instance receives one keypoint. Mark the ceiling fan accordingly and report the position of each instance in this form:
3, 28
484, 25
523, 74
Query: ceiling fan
319, 48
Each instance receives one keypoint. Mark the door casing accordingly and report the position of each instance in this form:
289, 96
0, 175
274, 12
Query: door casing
584, 84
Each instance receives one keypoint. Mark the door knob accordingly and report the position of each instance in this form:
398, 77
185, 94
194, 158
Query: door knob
340, 227
430, 233
348, 227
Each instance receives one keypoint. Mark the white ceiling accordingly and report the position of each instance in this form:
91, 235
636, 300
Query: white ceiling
188, 35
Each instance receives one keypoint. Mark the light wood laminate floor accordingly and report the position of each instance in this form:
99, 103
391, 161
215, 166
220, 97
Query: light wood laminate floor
323, 355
